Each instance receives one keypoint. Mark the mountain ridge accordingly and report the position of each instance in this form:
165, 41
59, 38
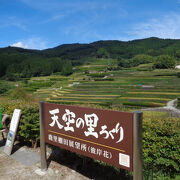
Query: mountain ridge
24, 61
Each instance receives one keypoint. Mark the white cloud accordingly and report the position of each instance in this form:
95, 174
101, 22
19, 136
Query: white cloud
20, 45
31, 43
167, 26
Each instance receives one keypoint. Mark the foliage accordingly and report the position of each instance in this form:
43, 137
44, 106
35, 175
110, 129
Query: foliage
164, 62
145, 67
34, 66
161, 143
141, 59
178, 104
29, 121
29, 125
136, 60
178, 53
67, 68
178, 74
19, 93
16, 63
102, 53
34, 85
4, 87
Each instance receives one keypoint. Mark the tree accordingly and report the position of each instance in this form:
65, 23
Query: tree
67, 68
2, 69
141, 59
102, 53
178, 53
164, 62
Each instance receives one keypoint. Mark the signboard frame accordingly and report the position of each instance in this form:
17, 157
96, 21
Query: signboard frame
137, 141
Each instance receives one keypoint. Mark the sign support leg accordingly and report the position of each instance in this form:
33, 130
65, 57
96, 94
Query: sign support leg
42, 139
137, 146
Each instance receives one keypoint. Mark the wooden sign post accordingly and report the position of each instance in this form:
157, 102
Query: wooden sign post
12, 131
110, 136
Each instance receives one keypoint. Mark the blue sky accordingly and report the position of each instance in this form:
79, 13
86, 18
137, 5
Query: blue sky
41, 24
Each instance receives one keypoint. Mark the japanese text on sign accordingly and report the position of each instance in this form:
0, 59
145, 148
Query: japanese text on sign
88, 124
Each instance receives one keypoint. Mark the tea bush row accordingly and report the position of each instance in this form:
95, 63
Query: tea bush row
161, 144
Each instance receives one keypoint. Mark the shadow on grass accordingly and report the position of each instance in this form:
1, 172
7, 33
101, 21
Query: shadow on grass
88, 167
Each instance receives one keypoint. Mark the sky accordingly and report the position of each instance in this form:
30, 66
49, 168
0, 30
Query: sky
41, 24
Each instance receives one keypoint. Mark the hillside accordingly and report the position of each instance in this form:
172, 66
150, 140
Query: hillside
151, 46
26, 63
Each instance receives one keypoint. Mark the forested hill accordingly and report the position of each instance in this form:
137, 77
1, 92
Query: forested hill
115, 49
26, 63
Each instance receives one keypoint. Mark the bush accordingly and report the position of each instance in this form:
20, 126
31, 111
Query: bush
19, 93
136, 61
4, 87
29, 125
161, 143
178, 103
141, 59
178, 74
164, 62
29, 121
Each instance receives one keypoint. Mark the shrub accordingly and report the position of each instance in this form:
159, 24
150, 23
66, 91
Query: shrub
29, 125
136, 61
141, 59
4, 87
178, 74
164, 62
29, 121
161, 143
178, 103
19, 93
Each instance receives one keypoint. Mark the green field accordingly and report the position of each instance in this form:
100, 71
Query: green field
126, 88
94, 83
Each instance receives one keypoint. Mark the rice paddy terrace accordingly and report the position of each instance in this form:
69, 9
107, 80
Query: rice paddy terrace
123, 88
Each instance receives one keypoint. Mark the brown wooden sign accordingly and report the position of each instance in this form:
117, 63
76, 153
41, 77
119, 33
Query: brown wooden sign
100, 134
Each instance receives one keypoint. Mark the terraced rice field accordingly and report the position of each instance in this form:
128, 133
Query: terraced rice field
127, 88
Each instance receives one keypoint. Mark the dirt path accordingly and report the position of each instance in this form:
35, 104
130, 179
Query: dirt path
170, 107
11, 169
